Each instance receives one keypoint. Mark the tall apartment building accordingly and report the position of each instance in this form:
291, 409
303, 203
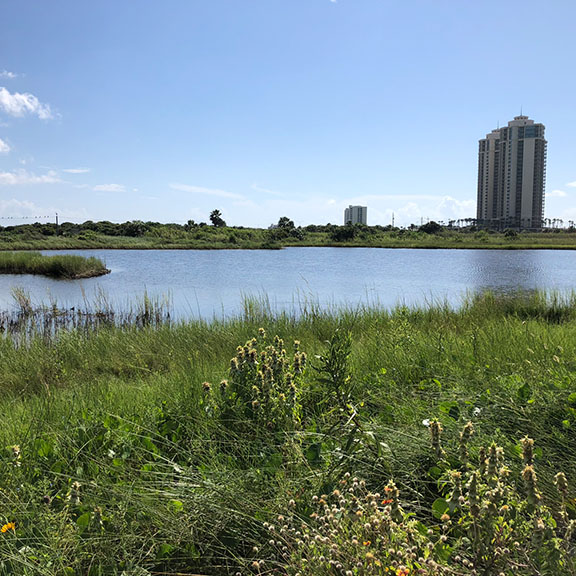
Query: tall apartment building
511, 176
355, 215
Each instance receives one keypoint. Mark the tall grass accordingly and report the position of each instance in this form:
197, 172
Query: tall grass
165, 447
60, 266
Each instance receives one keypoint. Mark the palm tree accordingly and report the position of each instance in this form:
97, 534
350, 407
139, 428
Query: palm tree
216, 219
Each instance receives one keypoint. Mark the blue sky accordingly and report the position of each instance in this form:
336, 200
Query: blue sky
164, 111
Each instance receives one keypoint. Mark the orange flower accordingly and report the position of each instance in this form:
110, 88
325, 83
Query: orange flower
387, 501
9, 526
366, 543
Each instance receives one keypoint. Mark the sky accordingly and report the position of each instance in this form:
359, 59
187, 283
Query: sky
164, 111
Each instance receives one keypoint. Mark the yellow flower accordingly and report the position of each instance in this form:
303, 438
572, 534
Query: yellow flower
9, 526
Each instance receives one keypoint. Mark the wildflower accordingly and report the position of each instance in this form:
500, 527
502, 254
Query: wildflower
74, 494
366, 543
465, 435
402, 571
529, 476
561, 483
445, 518
528, 451
206, 387
387, 501
435, 432
8, 526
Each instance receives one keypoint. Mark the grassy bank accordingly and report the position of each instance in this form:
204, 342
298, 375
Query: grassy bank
153, 235
62, 266
173, 449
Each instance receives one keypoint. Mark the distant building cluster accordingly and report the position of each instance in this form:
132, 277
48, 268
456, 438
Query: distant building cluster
355, 215
511, 176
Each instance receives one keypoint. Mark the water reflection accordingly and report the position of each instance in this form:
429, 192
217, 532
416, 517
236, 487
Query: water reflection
505, 271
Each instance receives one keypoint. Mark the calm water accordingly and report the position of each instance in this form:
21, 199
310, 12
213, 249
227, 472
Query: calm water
214, 283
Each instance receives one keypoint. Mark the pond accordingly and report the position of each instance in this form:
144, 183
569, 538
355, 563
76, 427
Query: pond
215, 283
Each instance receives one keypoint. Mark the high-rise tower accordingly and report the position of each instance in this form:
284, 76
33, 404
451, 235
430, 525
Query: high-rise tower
355, 215
511, 176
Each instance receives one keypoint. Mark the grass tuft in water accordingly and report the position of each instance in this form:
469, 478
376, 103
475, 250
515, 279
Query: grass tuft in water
67, 267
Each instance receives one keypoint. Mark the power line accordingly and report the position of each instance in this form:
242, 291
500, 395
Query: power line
25, 217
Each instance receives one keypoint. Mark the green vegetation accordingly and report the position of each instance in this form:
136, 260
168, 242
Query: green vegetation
421, 441
192, 235
62, 266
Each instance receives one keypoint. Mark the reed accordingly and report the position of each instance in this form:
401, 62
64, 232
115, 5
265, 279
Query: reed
67, 267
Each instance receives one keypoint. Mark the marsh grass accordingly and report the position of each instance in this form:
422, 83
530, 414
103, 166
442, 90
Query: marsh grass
138, 448
61, 266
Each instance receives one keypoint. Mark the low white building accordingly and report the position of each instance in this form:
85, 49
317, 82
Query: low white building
355, 215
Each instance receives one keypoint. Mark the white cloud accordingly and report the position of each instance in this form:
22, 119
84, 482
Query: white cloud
76, 170
109, 188
571, 184
21, 177
19, 105
206, 191
257, 188
7, 74
4, 148
556, 194
13, 208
